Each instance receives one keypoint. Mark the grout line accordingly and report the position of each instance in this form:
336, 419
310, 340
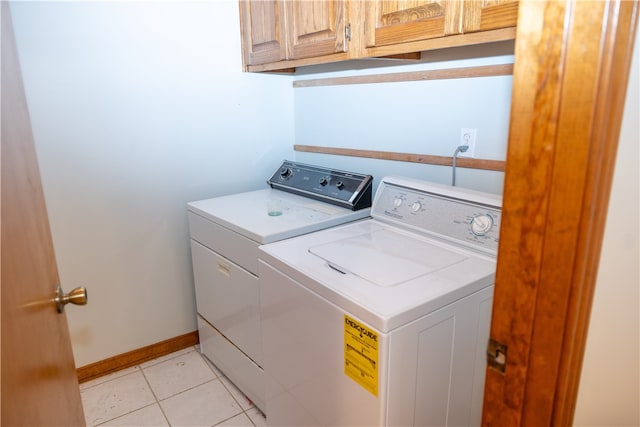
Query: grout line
244, 411
155, 397
113, 379
188, 389
134, 369
218, 376
231, 393
166, 357
233, 416
128, 413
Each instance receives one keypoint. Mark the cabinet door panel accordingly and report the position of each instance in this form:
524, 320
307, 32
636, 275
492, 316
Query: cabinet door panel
489, 15
263, 31
316, 28
390, 22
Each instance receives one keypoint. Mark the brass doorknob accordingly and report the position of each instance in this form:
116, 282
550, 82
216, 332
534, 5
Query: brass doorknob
77, 296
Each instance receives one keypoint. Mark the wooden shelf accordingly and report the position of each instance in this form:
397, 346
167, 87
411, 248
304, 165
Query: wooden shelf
462, 162
448, 73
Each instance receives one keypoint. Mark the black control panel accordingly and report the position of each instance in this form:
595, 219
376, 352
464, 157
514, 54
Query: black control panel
346, 189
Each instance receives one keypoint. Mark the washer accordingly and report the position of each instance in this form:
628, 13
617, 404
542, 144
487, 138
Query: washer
225, 234
384, 321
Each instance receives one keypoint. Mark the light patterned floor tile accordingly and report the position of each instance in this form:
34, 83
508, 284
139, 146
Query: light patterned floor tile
178, 374
243, 400
210, 364
257, 417
117, 397
149, 416
238, 421
124, 398
205, 405
109, 377
167, 357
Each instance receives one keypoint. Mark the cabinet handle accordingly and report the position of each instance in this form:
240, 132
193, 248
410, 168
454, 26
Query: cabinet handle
224, 269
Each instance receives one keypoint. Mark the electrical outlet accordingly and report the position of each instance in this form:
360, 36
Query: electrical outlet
468, 138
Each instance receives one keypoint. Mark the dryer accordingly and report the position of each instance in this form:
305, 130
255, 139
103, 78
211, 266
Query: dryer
225, 234
384, 321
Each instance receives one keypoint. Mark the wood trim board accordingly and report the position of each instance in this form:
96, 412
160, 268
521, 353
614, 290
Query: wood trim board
135, 357
412, 76
462, 162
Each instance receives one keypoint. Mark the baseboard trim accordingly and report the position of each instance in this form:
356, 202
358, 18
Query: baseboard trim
135, 357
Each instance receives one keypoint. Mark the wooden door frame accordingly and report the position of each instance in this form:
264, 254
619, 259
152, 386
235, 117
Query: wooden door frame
570, 79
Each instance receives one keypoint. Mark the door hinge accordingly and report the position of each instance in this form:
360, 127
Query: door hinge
347, 32
497, 355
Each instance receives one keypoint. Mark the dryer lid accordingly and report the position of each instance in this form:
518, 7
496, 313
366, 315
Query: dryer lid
385, 257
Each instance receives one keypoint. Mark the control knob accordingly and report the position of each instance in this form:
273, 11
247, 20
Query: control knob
481, 224
339, 184
286, 172
416, 206
323, 181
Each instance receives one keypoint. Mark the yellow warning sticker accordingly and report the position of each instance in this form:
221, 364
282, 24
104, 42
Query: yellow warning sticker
361, 354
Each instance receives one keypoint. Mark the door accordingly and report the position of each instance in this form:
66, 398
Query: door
316, 28
263, 31
489, 15
391, 22
39, 381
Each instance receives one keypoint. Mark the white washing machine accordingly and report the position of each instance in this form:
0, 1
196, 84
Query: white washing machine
225, 234
383, 322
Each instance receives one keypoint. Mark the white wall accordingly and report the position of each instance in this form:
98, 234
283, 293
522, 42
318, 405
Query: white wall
609, 392
137, 108
423, 117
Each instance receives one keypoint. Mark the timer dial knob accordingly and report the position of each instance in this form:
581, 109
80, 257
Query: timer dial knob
481, 224
286, 172
323, 181
416, 206
397, 202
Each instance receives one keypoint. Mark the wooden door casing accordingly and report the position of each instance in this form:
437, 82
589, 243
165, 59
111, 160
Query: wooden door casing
569, 84
39, 381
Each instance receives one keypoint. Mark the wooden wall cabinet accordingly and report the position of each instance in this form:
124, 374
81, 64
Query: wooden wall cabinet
263, 31
485, 15
281, 34
277, 32
316, 28
394, 22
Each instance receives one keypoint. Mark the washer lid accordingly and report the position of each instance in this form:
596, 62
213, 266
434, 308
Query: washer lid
385, 257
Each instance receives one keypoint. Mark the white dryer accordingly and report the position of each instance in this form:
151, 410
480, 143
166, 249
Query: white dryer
384, 321
225, 234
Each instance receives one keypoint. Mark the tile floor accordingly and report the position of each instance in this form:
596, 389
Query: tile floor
180, 389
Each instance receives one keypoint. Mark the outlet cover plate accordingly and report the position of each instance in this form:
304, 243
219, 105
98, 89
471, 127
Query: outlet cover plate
468, 137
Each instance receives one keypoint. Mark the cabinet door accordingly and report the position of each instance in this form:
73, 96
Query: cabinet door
263, 31
316, 28
392, 22
482, 15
